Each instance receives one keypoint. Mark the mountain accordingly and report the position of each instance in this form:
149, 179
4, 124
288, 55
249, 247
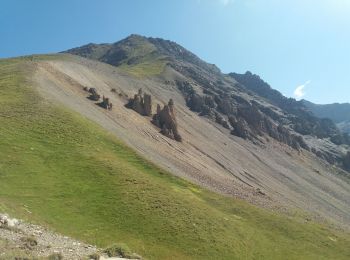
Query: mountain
344, 126
220, 92
339, 113
243, 104
140, 55
142, 142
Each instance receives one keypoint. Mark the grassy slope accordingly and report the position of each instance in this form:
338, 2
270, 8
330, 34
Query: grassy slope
76, 178
141, 57
150, 63
147, 67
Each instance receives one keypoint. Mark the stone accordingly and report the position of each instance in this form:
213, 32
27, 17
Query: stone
165, 119
106, 103
141, 104
12, 222
147, 105
94, 95
3, 220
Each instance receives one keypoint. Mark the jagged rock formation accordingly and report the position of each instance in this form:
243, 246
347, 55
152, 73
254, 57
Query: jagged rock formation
165, 119
106, 103
94, 95
303, 122
247, 119
141, 104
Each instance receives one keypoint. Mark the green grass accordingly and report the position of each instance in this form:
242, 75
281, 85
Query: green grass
62, 171
142, 59
147, 67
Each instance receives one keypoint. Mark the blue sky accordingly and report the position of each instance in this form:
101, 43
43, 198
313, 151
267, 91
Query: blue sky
300, 47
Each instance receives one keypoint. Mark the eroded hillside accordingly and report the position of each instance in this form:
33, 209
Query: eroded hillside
266, 172
63, 171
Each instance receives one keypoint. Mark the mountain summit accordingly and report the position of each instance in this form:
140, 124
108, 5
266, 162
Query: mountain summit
137, 49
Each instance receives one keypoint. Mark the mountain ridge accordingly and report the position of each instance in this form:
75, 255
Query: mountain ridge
242, 103
338, 112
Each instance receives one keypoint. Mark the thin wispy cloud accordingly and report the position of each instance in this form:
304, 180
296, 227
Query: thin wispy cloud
299, 92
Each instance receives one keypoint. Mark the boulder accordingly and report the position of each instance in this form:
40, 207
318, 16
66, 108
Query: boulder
94, 95
3, 220
165, 119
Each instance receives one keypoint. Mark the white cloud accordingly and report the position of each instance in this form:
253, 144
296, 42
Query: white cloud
299, 92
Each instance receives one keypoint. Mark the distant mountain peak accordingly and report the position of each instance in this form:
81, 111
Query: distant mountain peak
135, 48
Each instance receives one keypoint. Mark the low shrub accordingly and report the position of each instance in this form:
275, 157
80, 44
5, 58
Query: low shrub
118, 250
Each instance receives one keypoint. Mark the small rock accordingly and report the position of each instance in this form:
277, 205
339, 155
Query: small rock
12, 222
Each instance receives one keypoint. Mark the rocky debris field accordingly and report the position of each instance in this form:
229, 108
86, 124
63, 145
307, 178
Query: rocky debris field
21, 240
209, 154
37, 241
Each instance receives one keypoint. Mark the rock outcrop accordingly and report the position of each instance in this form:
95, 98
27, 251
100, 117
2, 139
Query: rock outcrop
165, 119
247, 119
94, 95
241, 128
106, 103
141, 104
7, 222
346, 161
